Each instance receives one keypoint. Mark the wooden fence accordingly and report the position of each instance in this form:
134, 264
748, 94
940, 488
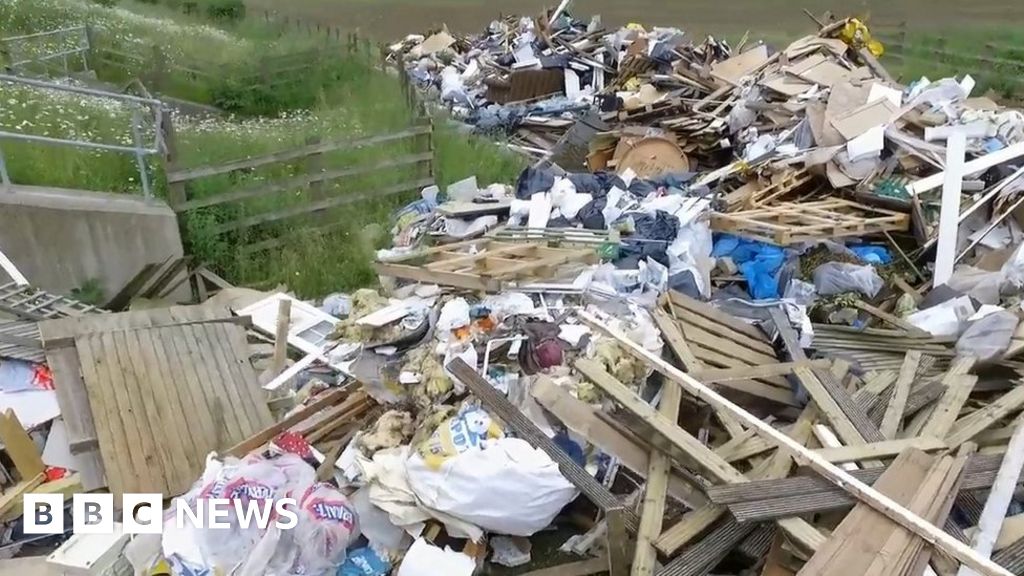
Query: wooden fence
994, 65
403, 162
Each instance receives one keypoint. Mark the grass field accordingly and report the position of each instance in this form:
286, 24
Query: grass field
355, 100
389, 19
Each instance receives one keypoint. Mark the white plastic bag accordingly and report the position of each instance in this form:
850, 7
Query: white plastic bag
986, 339
508, 487
327, 525
839, 277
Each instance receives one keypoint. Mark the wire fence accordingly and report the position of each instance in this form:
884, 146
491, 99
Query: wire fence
147, 115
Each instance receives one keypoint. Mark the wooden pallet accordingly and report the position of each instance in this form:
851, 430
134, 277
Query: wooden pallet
80, 412
34, 304
724, 350
792, 223
484, 264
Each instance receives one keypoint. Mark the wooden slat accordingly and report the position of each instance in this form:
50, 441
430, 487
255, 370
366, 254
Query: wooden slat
144, 380
220, 405
176, 176
111, 415
716, 315
879, 450
901, 391
309, 207
887, 506
970, 426
302, 181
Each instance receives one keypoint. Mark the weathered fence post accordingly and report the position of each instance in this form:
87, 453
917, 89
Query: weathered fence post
315, 166
158, 74
91, 56
176, 192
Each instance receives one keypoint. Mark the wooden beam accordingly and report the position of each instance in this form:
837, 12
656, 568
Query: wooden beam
877, 450
958, 388
999, 497
901, 391
653, 512
618, 542
974, 423
581, 419
19, 446
949, 216
930, 533
713, 464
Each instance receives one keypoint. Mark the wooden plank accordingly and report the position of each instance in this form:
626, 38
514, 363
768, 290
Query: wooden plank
225, 420
267, 434
999, 498
711, 313
302, 181
711, 464
878, 450
508, 413
864, 529
701, 558
145, 409
691, 319
901, 391
722, 375
125, 467
310, 207
198, 435
653, 511
229, 379
581, 419
211, 433
973, 424
946, 412
882, 503
294, 154
14, 495
249, 386
187, 459
618, 542
19, 446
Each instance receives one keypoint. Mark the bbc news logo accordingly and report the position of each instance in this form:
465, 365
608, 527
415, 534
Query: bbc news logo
144, 514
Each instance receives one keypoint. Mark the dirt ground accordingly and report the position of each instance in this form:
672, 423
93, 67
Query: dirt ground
390, 19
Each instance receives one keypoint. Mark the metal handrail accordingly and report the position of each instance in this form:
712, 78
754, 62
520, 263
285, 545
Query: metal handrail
139, 150
14, 45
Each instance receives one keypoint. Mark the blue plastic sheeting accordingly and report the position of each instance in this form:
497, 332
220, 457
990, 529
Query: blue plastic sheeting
758, 262
875, 255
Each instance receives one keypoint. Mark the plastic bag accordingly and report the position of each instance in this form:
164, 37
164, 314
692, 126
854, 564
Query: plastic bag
365, 562
254, 479
986, 339
532, 181
839, 277
758, 262
468, 430
327, 525
509, 487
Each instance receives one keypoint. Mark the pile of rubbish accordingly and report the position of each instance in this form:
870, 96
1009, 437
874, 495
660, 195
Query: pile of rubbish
750, 312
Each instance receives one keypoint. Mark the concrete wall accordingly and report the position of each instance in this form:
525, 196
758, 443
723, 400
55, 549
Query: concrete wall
59, 239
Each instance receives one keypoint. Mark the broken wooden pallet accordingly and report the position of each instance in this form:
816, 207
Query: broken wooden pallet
792, 223
710, 339
484, 264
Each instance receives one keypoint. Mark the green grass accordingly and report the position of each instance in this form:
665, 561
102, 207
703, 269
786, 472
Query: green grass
354, 101
992, 55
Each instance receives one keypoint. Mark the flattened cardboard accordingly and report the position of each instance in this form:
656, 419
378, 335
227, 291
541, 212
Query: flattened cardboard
864, 118
735, 68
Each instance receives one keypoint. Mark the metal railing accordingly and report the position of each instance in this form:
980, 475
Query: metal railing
43, 48
139, 149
